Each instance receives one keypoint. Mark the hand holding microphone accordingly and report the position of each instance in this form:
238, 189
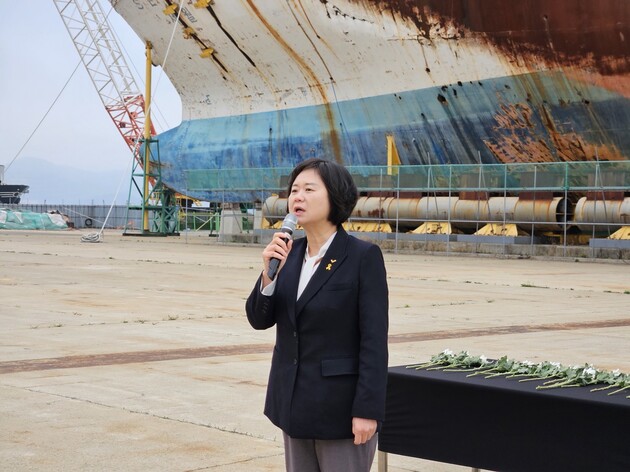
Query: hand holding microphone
276, 252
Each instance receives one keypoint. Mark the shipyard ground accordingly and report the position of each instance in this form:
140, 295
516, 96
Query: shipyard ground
134, 354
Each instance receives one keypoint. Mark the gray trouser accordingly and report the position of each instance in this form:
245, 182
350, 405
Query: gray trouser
335, 455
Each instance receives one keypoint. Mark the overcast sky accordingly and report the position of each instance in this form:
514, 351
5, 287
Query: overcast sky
37, 56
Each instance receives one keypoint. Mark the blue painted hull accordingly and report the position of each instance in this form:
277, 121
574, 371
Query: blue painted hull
538, 117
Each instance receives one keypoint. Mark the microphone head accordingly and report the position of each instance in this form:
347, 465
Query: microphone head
288, 225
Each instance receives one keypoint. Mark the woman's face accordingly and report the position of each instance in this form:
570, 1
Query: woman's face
308, 199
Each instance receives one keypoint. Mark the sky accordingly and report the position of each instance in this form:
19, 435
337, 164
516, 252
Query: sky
37, 57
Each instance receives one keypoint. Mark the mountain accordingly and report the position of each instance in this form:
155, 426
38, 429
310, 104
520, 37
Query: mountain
56, 183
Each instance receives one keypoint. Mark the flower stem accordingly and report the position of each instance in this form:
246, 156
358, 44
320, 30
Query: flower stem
482, 372
498, 374
557, 384
620, 390
463, 370
536, 378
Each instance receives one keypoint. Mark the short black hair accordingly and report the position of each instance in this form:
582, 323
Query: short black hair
342, 192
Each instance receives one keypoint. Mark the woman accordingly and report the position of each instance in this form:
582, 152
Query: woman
329, 303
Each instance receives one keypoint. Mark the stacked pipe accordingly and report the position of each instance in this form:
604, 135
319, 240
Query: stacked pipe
542, 215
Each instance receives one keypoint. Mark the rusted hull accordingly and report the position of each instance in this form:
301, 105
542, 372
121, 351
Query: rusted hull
453, 81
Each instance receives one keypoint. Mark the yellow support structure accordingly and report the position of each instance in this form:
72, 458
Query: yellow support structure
433, 227
498, 229
266, 224
392, 156
207, 52
171, 9
203, 3
367, 226
357, 226
621, 233
188, 32
146, 167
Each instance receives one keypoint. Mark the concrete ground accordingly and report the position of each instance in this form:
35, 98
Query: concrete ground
134, 354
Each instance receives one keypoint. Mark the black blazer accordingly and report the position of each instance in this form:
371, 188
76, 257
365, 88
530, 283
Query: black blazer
330, 359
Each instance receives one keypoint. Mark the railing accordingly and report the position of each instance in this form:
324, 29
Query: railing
556, 203
89, 216
567, 203
556, 176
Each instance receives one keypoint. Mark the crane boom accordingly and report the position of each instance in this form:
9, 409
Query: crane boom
101, 55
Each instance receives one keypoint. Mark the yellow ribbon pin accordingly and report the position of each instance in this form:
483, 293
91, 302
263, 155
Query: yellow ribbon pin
329, 266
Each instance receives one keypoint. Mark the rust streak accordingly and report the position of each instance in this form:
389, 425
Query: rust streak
229, 36
119, 358
196, 37
311, 79
563, 32
509, 145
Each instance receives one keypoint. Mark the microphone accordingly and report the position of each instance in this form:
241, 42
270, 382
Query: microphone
288, 226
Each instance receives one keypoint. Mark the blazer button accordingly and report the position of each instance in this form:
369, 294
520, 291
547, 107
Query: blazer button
294, 361
295, 334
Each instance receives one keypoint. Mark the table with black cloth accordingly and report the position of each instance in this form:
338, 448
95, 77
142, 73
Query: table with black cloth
504, 425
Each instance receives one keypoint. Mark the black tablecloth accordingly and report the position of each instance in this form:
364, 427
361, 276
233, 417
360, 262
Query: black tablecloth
502, 424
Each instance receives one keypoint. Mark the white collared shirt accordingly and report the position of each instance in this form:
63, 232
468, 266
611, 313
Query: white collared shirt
309, 265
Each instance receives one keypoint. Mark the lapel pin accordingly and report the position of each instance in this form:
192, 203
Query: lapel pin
329, 266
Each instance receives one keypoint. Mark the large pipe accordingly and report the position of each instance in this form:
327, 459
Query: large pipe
601, 213
470, 213
544, 215
406, 210
274, 208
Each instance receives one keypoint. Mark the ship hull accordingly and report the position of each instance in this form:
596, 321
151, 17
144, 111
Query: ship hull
456, 85
12, 194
